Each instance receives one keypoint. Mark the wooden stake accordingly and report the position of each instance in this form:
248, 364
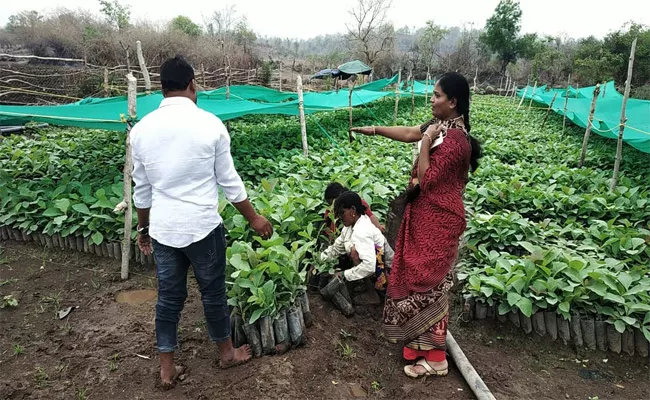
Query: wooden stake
351, 87
566, 103
475, 80
399, 82
426, 88
619, 146
128, 168
106, 92
589, 124
523, 96
143, 67
301, 109
532, 95
203, 76
128, 60
550, 107
280, 85
412, 79
507, 89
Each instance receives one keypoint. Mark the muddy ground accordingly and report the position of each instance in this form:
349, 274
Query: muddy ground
106, 350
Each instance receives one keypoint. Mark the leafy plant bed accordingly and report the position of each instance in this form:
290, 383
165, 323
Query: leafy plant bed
75, 243
579, 330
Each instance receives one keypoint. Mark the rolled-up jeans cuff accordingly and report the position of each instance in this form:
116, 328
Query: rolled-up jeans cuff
167, 349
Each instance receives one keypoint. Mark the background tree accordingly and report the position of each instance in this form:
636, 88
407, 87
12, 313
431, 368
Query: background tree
502, 32
116, 14
369, 34
184, 24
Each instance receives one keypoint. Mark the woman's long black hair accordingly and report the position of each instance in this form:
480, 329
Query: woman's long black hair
455, 86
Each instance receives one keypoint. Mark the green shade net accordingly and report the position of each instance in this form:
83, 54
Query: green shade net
607, 115
106, 113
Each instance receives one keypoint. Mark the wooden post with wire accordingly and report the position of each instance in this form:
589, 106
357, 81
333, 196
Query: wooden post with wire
566, 103
128, 167
532, 95
621, 130
399, 83
143, 67
523, 96
301, 109
106, 91
548, 111
592, 110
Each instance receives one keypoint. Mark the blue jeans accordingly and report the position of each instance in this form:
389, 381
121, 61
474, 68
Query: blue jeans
208, 258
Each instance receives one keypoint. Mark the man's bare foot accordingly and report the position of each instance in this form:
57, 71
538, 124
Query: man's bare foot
169, 376
238, 356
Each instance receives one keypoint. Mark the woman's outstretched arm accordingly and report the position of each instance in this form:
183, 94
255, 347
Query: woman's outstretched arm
406, 134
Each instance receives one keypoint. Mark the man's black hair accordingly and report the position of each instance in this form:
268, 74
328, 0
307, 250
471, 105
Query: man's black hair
176, 75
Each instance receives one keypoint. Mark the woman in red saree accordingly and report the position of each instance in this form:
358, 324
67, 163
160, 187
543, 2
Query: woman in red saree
416, 308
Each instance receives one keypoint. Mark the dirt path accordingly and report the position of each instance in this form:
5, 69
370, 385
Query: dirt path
93, 354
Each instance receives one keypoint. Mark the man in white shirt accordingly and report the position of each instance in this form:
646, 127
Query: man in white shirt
181, 156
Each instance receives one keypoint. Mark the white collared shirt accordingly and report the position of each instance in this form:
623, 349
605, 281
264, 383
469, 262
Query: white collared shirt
181, 155
366, 239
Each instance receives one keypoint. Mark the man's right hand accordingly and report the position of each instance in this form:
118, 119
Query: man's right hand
262, 226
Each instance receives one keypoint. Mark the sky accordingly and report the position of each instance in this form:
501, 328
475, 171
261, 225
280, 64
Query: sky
300, 19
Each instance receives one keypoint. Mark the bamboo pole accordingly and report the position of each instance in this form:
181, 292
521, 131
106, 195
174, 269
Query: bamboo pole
480, 389
619, 146
550, 107
143, 67
106, 92
589, 125
301, 109
514, 91
532, 95
399, 82
128, 167
523, 96
203, 76
566, 103
280, 84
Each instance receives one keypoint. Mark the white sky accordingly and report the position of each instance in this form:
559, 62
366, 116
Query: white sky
304, 19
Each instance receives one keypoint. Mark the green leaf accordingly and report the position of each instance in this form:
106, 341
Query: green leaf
564, 307
504, 308
255, 315
240, 264
525, 306
62, 204
625, 279
628, 320
615, 298
487, 291
599, 288
513, 298
475, 282
640, 307
97, 238
52, 212
620, 326
81, 208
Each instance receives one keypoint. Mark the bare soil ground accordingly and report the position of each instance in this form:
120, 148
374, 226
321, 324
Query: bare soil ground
95, 352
